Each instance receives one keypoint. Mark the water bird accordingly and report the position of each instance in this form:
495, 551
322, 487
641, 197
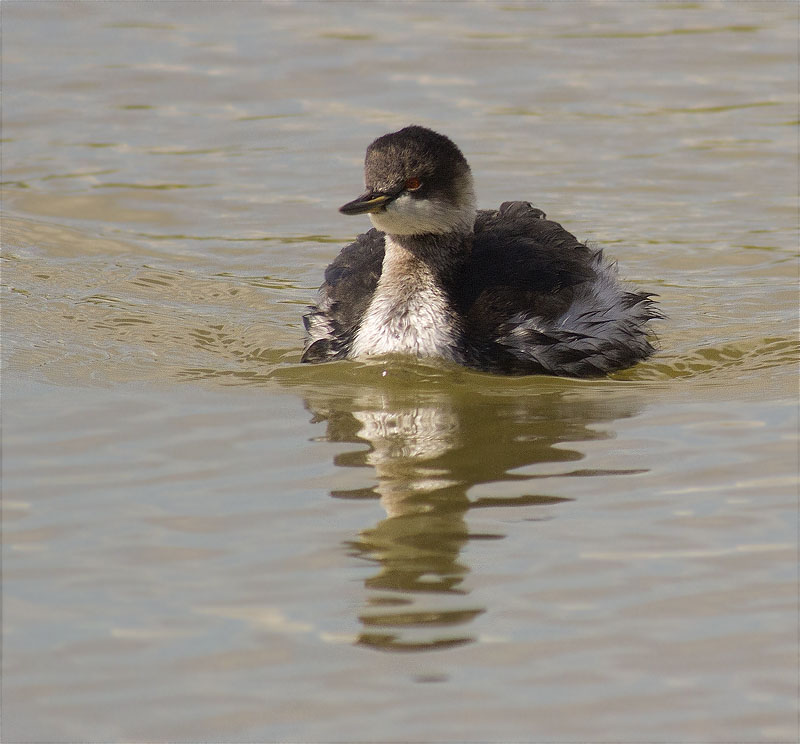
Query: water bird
504, 291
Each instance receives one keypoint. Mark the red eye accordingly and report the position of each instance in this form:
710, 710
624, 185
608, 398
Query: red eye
412, 184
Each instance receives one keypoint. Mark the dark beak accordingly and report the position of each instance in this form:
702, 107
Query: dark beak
371, 201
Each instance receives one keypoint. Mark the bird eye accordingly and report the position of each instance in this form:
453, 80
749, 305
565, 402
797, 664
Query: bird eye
412, 184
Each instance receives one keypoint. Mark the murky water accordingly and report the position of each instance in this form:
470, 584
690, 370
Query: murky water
205, 541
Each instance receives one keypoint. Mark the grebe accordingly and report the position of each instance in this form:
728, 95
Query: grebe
504, 291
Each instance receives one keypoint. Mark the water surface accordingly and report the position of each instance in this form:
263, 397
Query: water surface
204, 540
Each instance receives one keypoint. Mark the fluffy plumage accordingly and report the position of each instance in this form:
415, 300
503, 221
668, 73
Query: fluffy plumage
511, 293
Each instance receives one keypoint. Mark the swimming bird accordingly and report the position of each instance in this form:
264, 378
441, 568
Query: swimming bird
504, 291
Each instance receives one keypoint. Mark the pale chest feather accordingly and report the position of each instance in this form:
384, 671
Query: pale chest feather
408, 316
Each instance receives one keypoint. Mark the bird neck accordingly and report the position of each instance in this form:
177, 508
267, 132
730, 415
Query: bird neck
412, 310
432, 257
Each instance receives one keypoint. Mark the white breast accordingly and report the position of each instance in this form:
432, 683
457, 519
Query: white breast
409, 314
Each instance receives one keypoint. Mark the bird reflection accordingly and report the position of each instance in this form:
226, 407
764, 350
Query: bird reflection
430, 448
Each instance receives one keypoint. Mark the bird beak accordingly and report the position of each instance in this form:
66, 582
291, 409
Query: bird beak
368, 202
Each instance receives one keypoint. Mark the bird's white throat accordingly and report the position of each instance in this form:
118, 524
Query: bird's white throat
408, 215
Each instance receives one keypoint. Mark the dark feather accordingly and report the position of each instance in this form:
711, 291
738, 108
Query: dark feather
533, 299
